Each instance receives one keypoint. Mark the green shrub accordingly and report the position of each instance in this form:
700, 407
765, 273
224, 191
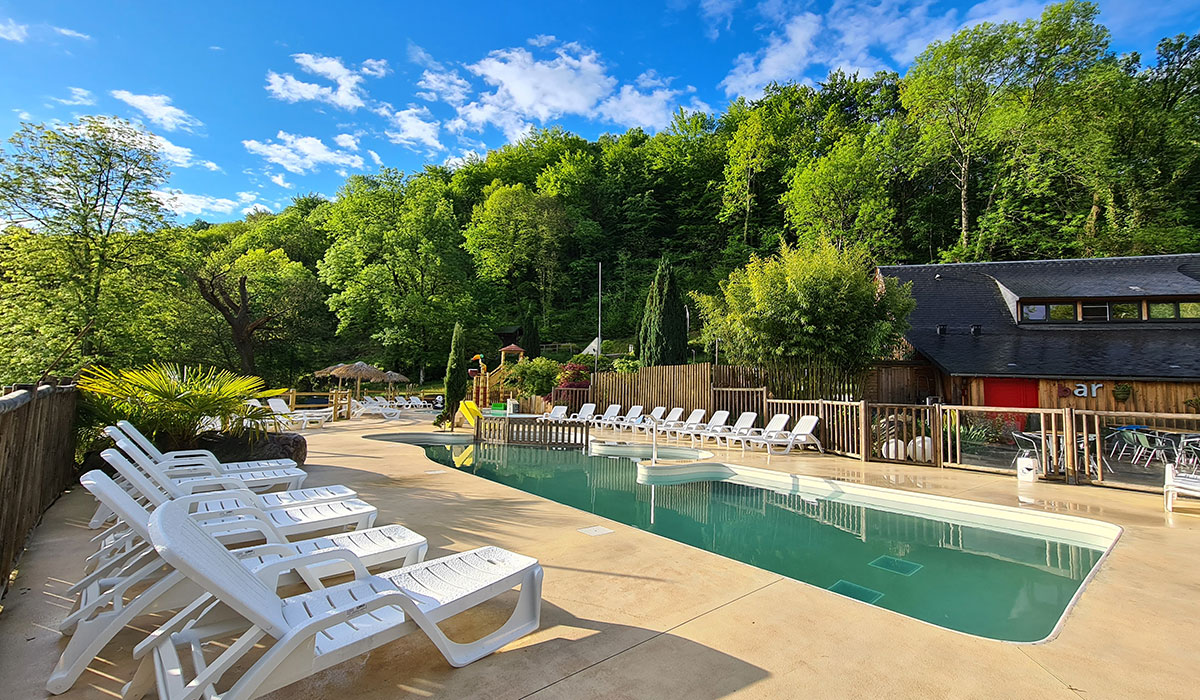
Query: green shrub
536, 377
627, 365
605, 364
174, 403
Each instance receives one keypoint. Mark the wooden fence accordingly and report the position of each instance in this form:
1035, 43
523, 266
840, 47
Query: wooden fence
37, 462
687, 386
531, 431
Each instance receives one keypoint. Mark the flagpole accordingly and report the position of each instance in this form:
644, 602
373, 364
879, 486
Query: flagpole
599, 309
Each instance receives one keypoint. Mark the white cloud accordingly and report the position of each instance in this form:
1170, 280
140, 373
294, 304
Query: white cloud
23, 115
257, 208
346, 141
414, 127
655, 109
997, 11
180, 156
572, 83
279, 180
717, 13
542, 40
185, 204
301, 154
12, 31
346, 93
375, 67
71, 33
651, 79
448, 86
79, 96
159, 110
216, 48
785, 57
375, 157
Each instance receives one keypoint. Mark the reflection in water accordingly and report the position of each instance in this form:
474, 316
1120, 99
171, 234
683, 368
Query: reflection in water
967, 578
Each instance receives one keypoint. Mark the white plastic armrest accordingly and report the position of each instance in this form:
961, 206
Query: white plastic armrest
224, 483
190, 471
190, 454
269, 573
245, 497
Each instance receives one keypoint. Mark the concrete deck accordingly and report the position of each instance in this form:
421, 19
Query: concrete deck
633, 615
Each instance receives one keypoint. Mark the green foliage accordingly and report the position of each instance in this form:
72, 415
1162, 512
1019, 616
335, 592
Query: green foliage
536, 376
575, 375
813, 301
603, 364
627, 365
175, 403
662, 339
456, 378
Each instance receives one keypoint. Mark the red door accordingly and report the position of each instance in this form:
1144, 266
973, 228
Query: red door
1011, 393
1016, 393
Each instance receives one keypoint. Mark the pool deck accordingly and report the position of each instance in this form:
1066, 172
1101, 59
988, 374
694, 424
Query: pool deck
632, 615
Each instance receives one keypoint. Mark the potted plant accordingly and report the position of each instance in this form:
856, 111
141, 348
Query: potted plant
1122, 391
1193, 403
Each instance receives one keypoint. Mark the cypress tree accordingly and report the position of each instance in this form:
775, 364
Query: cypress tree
456, 378
662, 338
531, 338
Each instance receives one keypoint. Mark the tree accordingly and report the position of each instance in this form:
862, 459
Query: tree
87, 192
456, 378
662, 339
813, 302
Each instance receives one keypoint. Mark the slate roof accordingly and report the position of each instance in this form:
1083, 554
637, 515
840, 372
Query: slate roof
966, 294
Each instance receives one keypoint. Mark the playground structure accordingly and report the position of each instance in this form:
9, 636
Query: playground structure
489, 387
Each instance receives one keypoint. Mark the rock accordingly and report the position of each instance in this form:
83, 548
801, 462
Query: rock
291, 446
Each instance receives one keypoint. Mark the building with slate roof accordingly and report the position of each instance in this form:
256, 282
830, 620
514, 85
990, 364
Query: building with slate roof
1053, 333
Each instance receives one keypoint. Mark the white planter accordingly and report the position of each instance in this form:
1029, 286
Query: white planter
892, 449
920, 449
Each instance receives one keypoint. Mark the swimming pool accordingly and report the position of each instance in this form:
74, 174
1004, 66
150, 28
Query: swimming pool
991, 580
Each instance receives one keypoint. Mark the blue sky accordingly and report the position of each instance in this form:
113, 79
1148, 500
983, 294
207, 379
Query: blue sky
255, 102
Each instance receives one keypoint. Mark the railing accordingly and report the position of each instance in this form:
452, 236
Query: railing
991, 438
905, 433
531, 431
338, 400
737, 401
573, 399
840, 425
37, 462
1130, 448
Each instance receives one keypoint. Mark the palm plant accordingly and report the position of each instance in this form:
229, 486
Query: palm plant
175, 403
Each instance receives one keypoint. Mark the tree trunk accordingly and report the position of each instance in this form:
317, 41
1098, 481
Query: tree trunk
963, 180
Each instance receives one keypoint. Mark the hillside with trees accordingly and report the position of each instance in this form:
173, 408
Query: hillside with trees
1007, 141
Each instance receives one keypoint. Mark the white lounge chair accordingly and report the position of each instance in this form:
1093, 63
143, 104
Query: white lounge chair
1177, 483
585, 413
418, 402
782, 442
556, 413
613, 411
673, 417
299, 418
694, 419
778, 423
293, 638
647, 422
257, 475
742, 426
143, 583
203, 456
718, 419
616, 423
293, 512
183, 471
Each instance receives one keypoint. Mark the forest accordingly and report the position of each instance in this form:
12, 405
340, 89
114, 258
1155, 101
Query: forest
1006, 141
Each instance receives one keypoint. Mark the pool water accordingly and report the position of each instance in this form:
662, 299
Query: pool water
971, 579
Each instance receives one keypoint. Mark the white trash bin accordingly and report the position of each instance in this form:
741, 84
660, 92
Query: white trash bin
1027, 469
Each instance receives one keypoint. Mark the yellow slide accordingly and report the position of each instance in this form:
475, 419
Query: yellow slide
470, 411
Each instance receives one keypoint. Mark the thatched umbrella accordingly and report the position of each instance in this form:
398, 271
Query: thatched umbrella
328, 370
393, 378
358, 372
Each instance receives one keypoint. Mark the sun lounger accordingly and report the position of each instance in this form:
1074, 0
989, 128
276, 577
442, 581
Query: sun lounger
647, 422
741, 426
694, 419
556, 413
718, 419
613, 411
778, 423
1176, 483
142, 583
293, 638
617, 422
782, 442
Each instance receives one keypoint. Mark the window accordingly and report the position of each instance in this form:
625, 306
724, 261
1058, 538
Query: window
1094, 312
1160, 310
1033, 312
1125, 311
1189, 309
1062, 312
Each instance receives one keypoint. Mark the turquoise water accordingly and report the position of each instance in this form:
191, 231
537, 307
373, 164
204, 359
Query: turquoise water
965, 578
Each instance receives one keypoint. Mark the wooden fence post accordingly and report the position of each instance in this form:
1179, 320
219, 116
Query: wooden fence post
292, 399
1068, 449
936, 429
864, 432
